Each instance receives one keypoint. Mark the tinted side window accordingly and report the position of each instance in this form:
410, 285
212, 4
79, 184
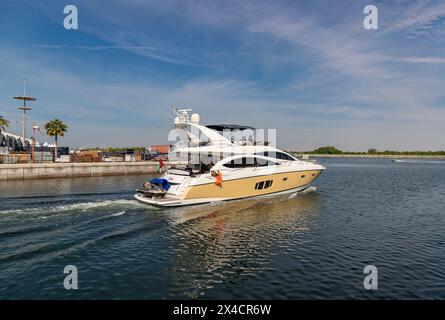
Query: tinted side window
249, 162
276, 155
241, 163
283, 156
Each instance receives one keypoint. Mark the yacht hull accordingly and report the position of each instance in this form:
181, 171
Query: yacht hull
169, 202
204, 190
254, 184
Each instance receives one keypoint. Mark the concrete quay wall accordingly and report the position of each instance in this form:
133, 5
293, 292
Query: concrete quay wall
70, 170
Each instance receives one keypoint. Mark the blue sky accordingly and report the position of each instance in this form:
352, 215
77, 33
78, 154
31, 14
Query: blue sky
308, 69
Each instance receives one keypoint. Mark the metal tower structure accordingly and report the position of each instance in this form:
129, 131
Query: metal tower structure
24, 108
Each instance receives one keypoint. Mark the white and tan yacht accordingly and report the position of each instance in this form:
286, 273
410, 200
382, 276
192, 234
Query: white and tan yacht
219, 167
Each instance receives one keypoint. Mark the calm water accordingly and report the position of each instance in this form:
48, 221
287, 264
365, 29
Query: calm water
313, 245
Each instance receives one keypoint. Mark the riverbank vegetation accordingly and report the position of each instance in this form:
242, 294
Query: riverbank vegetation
3, 123
56, 128
334, 151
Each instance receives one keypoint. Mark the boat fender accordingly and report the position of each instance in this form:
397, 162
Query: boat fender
218, 177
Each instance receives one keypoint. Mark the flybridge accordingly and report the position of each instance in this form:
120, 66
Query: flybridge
182, 117
195, 134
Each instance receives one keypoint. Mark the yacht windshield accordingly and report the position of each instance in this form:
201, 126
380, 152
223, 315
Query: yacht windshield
276, 155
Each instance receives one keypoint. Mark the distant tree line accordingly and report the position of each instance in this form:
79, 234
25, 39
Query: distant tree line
334, 150
327, 150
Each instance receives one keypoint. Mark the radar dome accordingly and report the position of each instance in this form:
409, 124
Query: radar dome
195, 118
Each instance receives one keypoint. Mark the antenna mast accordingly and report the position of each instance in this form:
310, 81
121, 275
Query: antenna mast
25, 108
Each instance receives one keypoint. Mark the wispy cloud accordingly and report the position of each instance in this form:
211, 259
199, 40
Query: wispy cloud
412, 15
433, 60
63, 46
306, 68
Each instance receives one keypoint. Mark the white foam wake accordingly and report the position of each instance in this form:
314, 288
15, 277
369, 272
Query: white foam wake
419, 161
74, 207
118, 214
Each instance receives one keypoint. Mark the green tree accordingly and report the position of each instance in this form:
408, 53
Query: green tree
327, 150
56, 128
3, 123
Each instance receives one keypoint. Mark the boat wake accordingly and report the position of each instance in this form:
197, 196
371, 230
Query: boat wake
305, 191
117, 214
418, 161
47, 211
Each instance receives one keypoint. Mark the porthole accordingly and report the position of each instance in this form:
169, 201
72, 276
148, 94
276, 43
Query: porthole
303, 176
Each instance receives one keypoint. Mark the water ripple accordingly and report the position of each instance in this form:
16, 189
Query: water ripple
311, 245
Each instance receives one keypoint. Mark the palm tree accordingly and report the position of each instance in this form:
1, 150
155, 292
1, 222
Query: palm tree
3, 123
56, 128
